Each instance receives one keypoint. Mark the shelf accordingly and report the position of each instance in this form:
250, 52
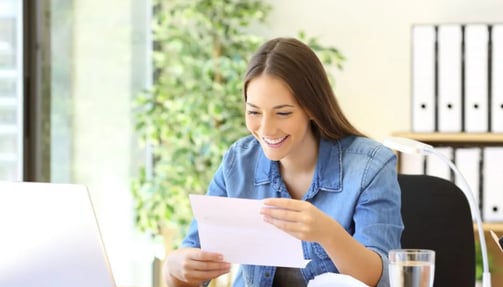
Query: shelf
455, 139
494, 226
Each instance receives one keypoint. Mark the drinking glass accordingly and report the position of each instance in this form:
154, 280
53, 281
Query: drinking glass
411, 267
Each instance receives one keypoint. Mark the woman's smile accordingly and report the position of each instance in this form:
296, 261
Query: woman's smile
275, 142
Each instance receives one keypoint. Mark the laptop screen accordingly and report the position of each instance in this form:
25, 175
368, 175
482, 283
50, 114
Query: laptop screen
49, 237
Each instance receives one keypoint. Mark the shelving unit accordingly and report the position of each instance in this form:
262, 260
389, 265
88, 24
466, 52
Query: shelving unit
470, 140
459, 140
455, 139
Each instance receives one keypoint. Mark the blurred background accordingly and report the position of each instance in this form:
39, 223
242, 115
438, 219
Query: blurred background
70, 71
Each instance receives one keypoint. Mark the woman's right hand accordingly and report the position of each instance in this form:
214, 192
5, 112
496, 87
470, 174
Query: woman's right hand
192, 266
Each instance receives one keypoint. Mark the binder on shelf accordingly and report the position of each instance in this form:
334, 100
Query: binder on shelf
476, 38
468, 161
411, 163
492, 194
449, 77
437, 167
423, 78
497, 79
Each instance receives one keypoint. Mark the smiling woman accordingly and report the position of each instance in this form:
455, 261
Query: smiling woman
282, 127
329, 185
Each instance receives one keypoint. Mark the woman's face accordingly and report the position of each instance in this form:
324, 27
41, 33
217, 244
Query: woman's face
275, 118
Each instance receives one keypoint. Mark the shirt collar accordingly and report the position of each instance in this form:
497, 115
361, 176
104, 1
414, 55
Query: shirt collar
327, 176
328, 172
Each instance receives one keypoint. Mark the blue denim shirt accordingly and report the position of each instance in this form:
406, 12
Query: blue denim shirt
355, 182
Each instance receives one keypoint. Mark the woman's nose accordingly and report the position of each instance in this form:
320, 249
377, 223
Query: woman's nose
267, 126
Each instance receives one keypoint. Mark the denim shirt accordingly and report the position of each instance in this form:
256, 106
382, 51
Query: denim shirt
355, 182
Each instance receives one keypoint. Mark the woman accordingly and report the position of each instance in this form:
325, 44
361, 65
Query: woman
332, 187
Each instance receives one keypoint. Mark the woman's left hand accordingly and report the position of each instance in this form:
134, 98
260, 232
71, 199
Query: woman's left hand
299, 218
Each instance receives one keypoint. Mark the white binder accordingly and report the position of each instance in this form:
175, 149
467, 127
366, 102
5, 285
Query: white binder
476, 77
468, 161
497, 79
436, 167
492, 204
423, 78
449, 78
411, 163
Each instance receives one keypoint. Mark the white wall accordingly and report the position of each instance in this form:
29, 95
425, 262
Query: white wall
374, 88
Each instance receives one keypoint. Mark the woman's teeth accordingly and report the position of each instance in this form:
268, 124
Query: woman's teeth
274, 141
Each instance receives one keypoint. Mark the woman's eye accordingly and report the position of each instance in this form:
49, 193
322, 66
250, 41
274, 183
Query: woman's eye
285, 113
252, 113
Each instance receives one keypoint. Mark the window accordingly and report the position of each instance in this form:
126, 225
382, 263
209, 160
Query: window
84, 61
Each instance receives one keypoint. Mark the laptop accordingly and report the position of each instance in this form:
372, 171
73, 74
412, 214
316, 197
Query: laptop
49, 237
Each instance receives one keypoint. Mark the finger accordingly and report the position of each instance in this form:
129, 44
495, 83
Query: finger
196, 270
281, 214
281, 224
191, 275
206, 256
299, 231
285, 203
210, 266
289, 220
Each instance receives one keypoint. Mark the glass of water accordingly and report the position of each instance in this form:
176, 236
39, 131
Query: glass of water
411, 267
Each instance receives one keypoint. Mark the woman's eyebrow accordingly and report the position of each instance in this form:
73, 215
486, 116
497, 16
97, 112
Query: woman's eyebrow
275, 107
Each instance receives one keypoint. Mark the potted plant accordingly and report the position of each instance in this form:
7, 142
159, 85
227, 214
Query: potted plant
194, 110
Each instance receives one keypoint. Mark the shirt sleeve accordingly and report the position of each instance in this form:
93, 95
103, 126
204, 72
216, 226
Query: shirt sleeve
378, 220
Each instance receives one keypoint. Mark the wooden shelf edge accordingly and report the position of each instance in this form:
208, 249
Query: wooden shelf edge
494, 226
459, 138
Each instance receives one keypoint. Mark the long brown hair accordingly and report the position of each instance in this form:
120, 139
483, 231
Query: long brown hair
298, 66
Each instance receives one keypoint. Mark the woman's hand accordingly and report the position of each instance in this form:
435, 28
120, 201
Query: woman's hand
192, 266
299, 218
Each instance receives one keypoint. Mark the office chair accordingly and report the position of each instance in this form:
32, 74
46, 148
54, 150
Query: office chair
437, 216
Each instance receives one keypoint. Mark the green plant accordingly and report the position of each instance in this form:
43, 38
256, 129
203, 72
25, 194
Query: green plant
194, 111
479, 268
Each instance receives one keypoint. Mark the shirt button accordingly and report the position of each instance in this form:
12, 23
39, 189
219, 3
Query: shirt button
267, 274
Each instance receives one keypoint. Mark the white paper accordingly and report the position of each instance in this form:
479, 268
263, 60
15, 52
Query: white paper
235, 228
496, 239
335, 279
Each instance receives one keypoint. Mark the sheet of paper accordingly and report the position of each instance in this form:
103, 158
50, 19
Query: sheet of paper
235, 228
335, 279
496, 239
